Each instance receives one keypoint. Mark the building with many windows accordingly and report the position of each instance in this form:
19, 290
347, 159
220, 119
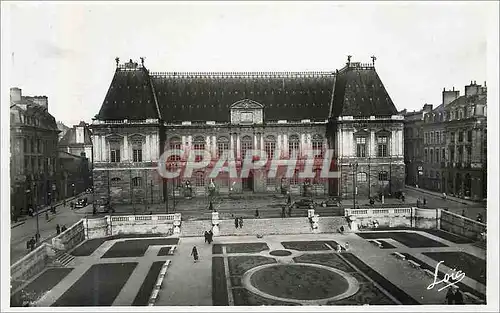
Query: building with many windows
33, 152
146, 113
446, 146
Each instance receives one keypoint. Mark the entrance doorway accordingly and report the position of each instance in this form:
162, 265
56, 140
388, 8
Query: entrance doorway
248, 182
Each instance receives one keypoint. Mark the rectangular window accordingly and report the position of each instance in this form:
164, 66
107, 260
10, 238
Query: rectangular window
452, 154
432, 137
452, 137
469, 136
437, 155
426, 156
293, 148
27, 167
431, 153
460, 136
382, 147
443, 155
137, 155
199, 147
383, 176
115, 156
361, 177
438, 139
318, 146
361, 147
137, 181
25, 145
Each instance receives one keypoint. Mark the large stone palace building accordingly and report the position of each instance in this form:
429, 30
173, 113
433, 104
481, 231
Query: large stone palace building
33, 152
446, 147
145, 113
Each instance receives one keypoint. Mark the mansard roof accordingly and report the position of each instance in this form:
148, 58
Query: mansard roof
209, 96
359, 92
130, 96
135, 93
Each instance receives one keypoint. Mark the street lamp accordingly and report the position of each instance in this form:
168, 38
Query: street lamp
354, 165
73, 186
37, 235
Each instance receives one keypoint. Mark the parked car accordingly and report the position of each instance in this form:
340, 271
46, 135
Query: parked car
81, 203
89, 190
330, 203
304, 204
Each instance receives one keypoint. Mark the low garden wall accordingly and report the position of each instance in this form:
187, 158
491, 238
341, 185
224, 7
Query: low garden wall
31, 264
141, 224
396, 217
461, 225
71, 237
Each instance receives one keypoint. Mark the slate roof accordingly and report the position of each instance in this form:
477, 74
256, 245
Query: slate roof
464, 100
30, 108
285, 96
359, 91
130, 96
134, 94
69, 138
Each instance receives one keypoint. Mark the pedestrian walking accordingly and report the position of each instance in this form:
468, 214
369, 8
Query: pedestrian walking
206, 236
257, 213
479, 217
283, 211
289, 211
339, 248
58, 229
194, 253
30, 212
64, 202
403, 198
425, 201
240, 222
289, 200
32, 243
210, 236
346, 246
211, 206
341, 229
459, 297
236, 224
63, 229
463, 213
46, 215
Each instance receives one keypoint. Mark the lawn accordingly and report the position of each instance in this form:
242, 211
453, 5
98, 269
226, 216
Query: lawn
88, 247
409, 239
164, 251
217, 249
250, 247
40, 285
219, 284
441, 274
472, 266
299, 282
448, 236
238, 265
99, 286
331, 260
397, 293
142, 297
136, 247
244, 297
386, 245
309, 245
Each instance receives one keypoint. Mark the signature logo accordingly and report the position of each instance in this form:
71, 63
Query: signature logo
455, 277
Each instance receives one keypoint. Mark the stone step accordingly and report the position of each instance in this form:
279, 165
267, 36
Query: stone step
62, 258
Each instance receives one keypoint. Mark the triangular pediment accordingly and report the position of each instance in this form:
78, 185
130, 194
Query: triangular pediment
247, 104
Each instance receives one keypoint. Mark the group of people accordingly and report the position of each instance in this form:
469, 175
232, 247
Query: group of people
209, 236
60, 229
238, 222
31, 244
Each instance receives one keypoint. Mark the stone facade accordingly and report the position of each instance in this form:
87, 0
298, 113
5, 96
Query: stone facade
446, 146
289, 113
33, 153
370, 156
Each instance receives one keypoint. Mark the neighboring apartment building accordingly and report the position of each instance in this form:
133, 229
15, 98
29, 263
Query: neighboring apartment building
144, 113
77, 140
62, 128
75, 174
33, 152
452, 140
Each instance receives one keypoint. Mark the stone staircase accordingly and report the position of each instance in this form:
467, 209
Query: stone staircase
62, 258
271, 226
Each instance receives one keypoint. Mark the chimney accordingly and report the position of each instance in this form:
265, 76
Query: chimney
41, 101
15, 94
450, 95
472, 89
427, 107
80, 134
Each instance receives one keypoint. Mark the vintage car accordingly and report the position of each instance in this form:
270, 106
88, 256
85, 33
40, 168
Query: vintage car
304, 204
330, 203
81, 203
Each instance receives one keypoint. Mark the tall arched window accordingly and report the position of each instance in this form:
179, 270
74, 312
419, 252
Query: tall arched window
270, 146
293, 146
175, 144
199, 147
222, 146
361, 177
383, 143
246, 144
317, 145
137, 181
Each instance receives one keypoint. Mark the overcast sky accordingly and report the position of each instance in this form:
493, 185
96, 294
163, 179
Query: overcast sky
67, 50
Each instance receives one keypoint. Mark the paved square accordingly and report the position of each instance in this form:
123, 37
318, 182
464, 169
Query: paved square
273, 270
